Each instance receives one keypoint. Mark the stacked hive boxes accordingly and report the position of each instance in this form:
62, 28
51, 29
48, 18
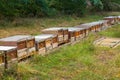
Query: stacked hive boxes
86, 27
57, 31
104, 24
75, 33
24, 43
31, 45
60, 32
8, 58
118, 19
40, 46
65, 34
112, 19
46, 42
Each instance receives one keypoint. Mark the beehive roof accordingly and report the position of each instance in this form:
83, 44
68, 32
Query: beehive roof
6, 48
43, 37
16, 38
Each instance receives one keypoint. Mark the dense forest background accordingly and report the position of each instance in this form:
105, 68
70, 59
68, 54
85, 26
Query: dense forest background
42, 8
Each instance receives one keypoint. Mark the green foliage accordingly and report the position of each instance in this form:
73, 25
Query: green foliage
24, 8
97, 4
18, 8
70, 6
111, 5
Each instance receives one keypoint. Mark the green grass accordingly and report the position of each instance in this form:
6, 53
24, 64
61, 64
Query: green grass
82, 61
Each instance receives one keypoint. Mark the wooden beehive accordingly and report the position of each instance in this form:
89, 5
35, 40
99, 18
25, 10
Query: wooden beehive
40, 46
78, 32
20, 41
8, 58
97, 26
87, 28
65, 33
82, 32
71, 35
56, 31
50, 40
112, 19
2, 62
54, 40
104, 24
31, 45
118, 19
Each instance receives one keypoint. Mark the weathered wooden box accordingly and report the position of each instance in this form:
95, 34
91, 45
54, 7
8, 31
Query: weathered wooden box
8, 58
112, 19
54, 40
56, 31
65, 34
22, 42
50, 40
78, 32
71, 35
2, 62
118, 19
104, 24
87, 28
31, 45
96, 26
40, 46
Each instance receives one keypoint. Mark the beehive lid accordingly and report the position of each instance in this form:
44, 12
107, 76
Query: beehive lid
43, 37
6, 48
108, 42
111, 17
94, 23
16, 38
85, 26
63, 28
52, 29
74, 29
103, 21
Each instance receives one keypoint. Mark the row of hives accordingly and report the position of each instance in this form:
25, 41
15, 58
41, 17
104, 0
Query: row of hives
15, 48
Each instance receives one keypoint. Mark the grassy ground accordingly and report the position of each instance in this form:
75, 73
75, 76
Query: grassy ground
82, 61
